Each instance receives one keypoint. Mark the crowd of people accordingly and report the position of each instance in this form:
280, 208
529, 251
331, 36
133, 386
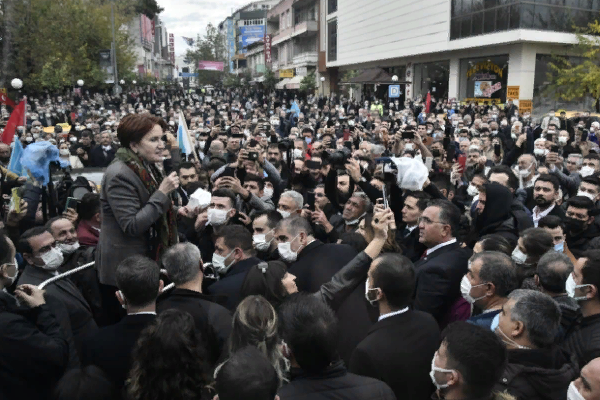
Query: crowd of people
287, 254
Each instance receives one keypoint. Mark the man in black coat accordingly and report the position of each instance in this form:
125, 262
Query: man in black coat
310, 331
231, 260
545, 195
580, 224
414, 205
103, 154
443, 265
399, 335
314, 263
184, 267
138, 280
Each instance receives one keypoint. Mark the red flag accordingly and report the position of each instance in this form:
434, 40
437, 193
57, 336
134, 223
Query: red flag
4, 99
428, 102
16, 119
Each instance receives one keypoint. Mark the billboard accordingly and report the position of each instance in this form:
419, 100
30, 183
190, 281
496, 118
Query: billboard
230, 42
268, 49
251, 33
146, 30
210, 65
172, 47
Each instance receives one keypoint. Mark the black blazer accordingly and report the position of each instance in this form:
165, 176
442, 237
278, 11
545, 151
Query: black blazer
99, 159
438, 277
111, 347
413, 249
230, 284
390, 344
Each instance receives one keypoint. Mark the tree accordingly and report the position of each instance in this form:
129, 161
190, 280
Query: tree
308, 84
270, 80
209, 48
577, 80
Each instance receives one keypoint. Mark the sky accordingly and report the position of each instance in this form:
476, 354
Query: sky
189, 17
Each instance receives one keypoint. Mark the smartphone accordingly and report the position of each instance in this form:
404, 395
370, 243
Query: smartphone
462, 162
446, 142
253, 156
408, 135
550, 137
450, 153
385, 200
497, 150
71, 203
584, 135
346, 134
554, 149
15, 200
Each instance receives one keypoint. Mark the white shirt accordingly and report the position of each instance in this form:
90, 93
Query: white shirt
412, 228
537, 215
143, 313
439, 246
384, 316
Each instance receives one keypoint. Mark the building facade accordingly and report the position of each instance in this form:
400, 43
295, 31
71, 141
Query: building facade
458, 49
152, 48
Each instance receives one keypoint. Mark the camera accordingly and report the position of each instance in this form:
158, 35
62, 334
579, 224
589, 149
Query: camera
253, 156
285, 144
339, 158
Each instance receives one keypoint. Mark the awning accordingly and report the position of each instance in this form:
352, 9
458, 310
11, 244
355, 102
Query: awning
282, 83
372, 76
294, 83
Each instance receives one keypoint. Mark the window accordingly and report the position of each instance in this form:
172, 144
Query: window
331, 6
332, 40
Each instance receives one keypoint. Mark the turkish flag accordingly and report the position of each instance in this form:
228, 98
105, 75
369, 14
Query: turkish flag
4, 99
428, 102
17, 118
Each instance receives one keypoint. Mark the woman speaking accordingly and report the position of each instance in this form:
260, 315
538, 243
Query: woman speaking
136, 208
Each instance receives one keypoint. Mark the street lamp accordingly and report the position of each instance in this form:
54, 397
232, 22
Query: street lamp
134, 82
122, 81
322, 90
16, 83
80, 82
395, 78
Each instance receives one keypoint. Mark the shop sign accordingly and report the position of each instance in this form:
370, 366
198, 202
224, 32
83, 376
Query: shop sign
483, 77
525, 106
512, 92
393, 91
267, 49
485, 66
286, 73
480, 101
301, 71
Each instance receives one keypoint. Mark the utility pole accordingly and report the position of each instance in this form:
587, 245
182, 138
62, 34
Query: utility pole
117, 89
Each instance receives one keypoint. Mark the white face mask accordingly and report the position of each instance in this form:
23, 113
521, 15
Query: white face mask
52, 259
472, 190
518, 256
563, 140
367, 291
539, 152
284, 214
285, 250
297, 153
409, 146
571, 285
465, 289
68, 248
65, 152
586, 171
438, 369
573, 393
218, 262
524, 172
217, 217
268, 192
585, 194
260, 241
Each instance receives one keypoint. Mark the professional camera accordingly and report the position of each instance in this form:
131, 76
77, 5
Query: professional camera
338, 159
285, 144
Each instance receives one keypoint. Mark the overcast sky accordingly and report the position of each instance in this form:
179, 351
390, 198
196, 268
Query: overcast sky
189, 17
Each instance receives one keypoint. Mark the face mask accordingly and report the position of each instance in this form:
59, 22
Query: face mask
64, 152
217, 217
524, 172
268, 193
571, 285
297, 153
563, 140
52, 259
307, 140
585, 194
472, 190
218, 262
539, 152
73, 139
560, 247
574, 225
29, 139
508, 340
409, 146
438, 369
495, 322
285, 250
260, 241
68, 248
369, 290
518, 256
573, 393
465, 289
586, 171
284, 214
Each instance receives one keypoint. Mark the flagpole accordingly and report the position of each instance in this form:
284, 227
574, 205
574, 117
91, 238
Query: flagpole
187, 132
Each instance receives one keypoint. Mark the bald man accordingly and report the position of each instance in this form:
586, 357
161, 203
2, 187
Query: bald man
588, 383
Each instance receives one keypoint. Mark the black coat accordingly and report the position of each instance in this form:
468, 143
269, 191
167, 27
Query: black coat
579, 243
34, 351
230, 284
538, 374
99, 158
335, 383
413, 249
583, 339
110, 347
316, 264
209, 317
80, 314
438, 277
412, 335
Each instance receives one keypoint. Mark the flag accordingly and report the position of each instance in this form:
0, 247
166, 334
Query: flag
295, 109
428, 102
17, 118
4, 99
182, 136
189, 41
14, 165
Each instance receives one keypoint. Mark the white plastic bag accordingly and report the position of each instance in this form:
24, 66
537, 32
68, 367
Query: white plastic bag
200, 198
412, 173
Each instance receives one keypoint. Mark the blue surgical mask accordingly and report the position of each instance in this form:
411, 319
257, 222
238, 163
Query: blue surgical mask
560, 247
307, 140
495, 322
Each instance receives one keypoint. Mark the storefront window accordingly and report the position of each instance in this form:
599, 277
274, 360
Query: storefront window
431, 77
484, 78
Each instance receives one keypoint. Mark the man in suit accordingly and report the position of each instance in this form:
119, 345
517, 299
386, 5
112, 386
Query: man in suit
314, 263
414, 205
183, 263
103, 154
233, 257
443, 264
138, 280
187, 174
400, 334
39, 249
545, 194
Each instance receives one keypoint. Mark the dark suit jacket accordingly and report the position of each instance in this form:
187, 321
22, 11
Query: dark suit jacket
80, 315
99, 159
413, 249
205, 312
230, 284
438, 281
391, 342
110, 347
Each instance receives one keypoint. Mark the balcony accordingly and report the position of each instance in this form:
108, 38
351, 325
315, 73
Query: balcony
305, 28
304, 59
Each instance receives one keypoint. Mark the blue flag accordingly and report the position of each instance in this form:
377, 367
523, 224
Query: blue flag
295, 109
14, 165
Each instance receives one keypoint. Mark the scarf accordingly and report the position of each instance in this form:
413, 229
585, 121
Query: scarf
163, 233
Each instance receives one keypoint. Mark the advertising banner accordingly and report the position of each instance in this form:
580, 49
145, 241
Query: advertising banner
268, 49
251, 33
286, 73
210, 65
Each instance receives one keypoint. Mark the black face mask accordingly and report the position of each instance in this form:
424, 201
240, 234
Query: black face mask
5, 159
574, 225
435, 153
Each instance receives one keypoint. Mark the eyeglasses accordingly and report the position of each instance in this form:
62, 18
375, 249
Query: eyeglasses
427, 221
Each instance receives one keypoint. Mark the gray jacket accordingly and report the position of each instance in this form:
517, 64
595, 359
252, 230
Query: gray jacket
127, 212
569, 182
